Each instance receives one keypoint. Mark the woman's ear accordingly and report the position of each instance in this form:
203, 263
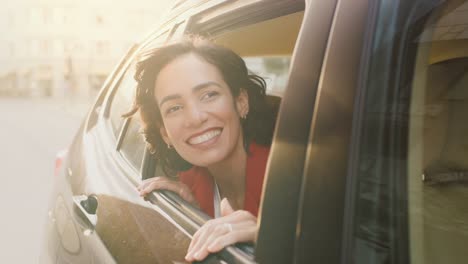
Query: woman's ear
242, 103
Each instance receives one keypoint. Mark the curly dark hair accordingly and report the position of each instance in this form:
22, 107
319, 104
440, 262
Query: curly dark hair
258, 126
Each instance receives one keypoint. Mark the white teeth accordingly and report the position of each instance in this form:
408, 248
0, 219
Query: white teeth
205, 137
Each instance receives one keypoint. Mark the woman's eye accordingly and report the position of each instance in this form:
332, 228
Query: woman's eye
172, 109
209, 95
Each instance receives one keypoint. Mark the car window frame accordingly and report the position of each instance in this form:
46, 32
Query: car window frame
348, 218
300, 103
324, 188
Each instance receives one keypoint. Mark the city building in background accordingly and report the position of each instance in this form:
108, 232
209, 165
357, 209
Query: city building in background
66, 48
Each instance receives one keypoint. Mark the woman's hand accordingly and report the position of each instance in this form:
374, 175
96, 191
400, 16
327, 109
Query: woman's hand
216, 234
164, 183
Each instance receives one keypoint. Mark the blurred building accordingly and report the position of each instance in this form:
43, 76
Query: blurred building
65, 47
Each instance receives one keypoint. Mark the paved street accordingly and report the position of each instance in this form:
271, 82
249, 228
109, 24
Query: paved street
31, 132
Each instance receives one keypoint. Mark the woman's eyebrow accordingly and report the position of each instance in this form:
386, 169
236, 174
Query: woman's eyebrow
168, 98
201, 86
195, 89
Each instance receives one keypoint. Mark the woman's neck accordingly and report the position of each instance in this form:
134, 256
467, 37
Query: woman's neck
230, 177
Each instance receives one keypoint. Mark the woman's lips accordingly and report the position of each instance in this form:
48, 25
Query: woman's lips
204, 137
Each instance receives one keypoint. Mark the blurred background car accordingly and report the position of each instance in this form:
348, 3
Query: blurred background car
369, 159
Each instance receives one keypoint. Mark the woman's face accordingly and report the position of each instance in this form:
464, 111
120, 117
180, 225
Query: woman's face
201, 118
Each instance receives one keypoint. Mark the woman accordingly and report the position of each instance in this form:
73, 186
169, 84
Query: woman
207, 122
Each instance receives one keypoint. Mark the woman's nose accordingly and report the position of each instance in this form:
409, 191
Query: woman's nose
195, 116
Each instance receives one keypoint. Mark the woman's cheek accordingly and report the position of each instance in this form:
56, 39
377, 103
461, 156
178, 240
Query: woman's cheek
173, 127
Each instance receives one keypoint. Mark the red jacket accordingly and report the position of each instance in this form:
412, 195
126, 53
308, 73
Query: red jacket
201, 182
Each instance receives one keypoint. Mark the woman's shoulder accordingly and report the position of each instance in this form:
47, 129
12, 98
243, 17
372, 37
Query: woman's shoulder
258, 151
257, 160
192, 175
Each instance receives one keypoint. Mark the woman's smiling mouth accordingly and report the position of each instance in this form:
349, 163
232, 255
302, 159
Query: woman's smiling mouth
205, 137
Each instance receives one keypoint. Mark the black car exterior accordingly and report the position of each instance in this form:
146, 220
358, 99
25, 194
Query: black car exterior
370, 154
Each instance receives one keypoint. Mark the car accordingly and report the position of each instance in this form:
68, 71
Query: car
369, 156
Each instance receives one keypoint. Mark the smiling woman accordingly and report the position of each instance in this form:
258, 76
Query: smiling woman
208, 123
200, 116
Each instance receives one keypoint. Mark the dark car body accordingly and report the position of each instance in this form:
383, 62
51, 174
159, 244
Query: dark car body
370, 153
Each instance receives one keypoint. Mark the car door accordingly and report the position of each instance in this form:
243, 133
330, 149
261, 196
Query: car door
407, 187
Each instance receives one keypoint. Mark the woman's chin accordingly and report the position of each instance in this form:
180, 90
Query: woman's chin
207, 157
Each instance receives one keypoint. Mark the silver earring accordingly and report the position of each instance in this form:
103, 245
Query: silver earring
169, 146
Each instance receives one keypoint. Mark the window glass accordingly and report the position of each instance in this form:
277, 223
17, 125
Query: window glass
123, 95
122, 100
133, 144
438, 139
412, 173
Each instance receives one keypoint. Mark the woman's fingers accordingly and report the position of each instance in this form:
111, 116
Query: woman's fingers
163, 183
221, 238
216, 234
243, 235
144, 184
152, 184
199, 243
